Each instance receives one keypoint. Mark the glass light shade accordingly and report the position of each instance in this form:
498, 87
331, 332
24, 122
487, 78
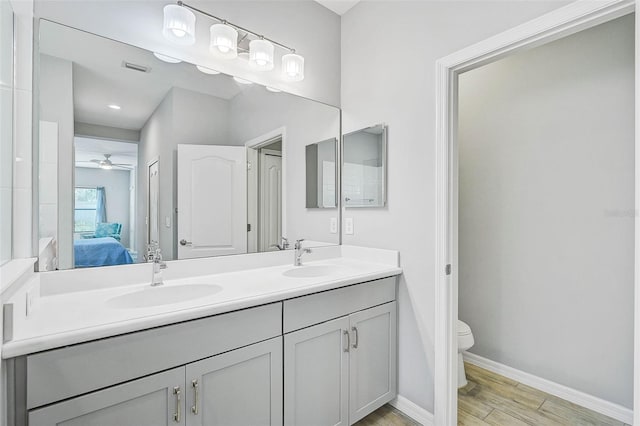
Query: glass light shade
224, 41
293, 67
207, 70
166, 58
179, 25
261, 54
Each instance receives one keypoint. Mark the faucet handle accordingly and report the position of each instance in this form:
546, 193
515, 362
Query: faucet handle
299, 243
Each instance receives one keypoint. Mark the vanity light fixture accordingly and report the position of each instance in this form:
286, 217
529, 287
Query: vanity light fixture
207, 70
179, 25
224, 43
114, 106
166, 58
293, 67
261, 54
224, 40
242, 80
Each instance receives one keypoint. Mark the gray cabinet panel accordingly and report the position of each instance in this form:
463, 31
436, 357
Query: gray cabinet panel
315, 308
316, 375
372, 363
63, 373
239, 388
145, 402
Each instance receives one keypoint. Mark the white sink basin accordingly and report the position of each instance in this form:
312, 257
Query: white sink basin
311, 271
162, 295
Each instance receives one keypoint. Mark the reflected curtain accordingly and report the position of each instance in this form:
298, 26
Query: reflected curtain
101, 205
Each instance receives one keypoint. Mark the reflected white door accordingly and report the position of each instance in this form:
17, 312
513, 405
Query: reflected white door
270, 221
212, 200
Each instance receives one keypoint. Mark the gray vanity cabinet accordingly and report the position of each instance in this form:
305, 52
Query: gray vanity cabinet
241, 387
338, 371
155, 400
316, 375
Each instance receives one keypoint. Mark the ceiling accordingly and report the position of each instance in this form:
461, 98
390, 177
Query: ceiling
99, 78
338, 6
87, 149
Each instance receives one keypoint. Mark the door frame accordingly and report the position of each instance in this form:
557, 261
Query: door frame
150, 163
562, 22
263, 140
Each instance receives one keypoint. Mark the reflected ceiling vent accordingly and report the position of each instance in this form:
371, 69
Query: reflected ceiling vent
135, 67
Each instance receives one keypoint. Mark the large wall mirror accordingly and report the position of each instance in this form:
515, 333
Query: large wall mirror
136, 148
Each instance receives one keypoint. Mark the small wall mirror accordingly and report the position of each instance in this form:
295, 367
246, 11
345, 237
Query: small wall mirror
321, 174
364, 167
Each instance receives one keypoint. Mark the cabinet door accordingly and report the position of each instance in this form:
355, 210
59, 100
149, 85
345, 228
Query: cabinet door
241, 387
152, 401
372, 363
316, 377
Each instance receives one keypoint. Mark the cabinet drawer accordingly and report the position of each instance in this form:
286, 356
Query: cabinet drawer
316, 308
74, 370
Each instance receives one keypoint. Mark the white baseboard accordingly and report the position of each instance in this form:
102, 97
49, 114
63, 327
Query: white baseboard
413, 410
591, 402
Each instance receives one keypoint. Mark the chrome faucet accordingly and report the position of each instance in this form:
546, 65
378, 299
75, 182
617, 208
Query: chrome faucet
299, 251
154, 255
283, 245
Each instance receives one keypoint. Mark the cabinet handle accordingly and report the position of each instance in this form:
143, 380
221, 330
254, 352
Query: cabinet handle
178, 413
194, 408
346, 347
355, 337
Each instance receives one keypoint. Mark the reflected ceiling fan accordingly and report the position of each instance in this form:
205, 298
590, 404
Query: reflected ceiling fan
107, 164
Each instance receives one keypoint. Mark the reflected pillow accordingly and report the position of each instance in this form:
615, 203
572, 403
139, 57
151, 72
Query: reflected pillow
107, 230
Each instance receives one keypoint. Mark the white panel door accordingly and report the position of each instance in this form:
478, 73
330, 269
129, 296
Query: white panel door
270, 222
372, 363
316, 377
239, 388
155, 400
212, 200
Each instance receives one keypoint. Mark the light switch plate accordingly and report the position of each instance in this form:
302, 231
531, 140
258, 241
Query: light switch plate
348, 225
333, 225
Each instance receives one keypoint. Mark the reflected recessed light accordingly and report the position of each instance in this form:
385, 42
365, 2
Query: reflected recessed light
166, 58
242, 80
207, 70
273, 89
114, 106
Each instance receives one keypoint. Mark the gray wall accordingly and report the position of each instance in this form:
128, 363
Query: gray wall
398, 89
546, 210
56, 105
116, 185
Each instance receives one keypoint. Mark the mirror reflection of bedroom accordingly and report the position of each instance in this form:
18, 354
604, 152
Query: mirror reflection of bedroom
104, 202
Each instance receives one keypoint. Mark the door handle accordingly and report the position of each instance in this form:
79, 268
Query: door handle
194, 407
355, 337
178, 413
346, 347
184, 242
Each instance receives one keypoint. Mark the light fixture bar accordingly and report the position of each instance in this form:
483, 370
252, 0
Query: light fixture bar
237, 27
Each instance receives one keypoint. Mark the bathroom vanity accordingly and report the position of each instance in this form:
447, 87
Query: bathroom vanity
273, 345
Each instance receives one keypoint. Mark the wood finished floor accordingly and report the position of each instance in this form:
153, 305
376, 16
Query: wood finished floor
491, 399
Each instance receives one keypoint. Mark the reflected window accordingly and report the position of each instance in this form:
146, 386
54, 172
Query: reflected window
86, 205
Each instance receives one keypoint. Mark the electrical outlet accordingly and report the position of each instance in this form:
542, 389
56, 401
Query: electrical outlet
167, 221
333, 225
348, 225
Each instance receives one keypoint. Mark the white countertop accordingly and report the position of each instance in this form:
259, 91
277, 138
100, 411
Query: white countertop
73, 317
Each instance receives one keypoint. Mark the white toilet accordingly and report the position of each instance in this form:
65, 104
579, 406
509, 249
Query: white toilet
465, 341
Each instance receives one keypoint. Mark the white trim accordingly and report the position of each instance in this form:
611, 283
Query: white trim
585, 400
413, 410
562, 22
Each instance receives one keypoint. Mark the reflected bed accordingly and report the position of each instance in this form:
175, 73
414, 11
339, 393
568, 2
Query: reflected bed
100, 252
